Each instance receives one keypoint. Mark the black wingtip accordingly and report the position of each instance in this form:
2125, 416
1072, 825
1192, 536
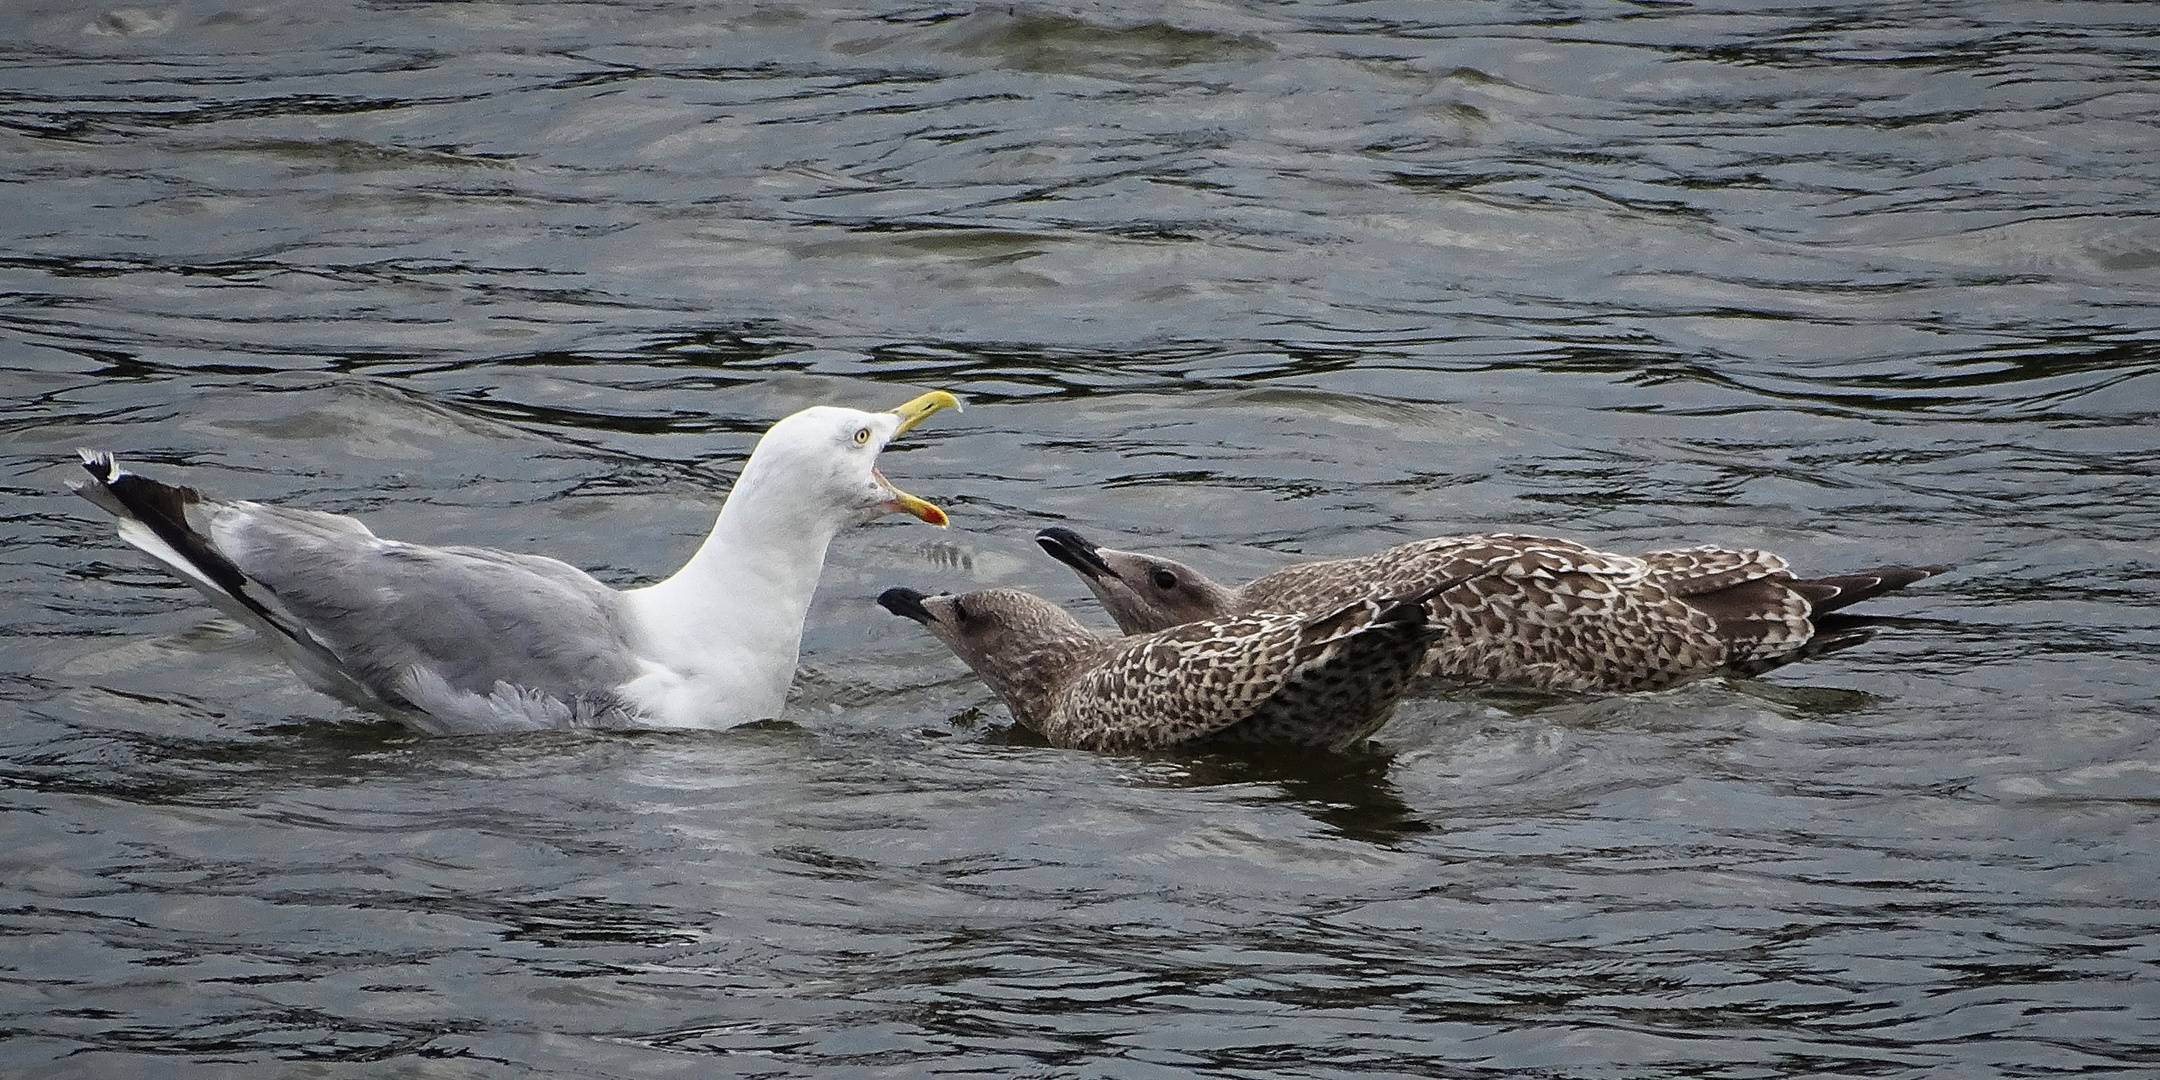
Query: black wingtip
163, 509
1074, 550
904, 602
1827, 594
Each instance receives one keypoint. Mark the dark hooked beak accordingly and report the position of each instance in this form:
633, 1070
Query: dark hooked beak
906, 603
1070, 548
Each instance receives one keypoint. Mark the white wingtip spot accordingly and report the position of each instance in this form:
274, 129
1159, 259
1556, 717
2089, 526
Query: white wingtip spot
100, 464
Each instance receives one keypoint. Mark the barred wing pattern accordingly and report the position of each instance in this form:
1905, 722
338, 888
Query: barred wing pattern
1556, 615
1537, 613
1269, 678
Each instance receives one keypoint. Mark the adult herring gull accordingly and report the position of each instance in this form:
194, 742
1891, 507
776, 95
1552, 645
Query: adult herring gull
462, 640
1263, 678
1540, 614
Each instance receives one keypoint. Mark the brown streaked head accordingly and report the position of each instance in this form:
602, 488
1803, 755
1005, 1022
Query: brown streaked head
1143, 593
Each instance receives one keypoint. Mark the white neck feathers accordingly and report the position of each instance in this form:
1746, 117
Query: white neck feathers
728, 625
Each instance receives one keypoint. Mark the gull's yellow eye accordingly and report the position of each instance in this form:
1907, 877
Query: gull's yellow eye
862, 436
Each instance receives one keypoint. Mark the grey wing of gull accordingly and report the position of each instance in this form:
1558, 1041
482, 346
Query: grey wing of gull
448, 631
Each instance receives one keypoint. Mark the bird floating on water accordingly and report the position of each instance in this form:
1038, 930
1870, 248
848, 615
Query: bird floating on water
1260, 678
1540, 613
458, 640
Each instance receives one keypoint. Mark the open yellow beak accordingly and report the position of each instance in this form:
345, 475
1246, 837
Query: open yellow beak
909, 504
911, 414
920, 409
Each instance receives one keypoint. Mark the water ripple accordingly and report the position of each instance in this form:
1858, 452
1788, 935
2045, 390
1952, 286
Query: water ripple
1859, 283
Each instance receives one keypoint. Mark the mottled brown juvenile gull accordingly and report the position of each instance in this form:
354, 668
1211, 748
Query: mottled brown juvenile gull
1261, 678
457, 640
1541, 614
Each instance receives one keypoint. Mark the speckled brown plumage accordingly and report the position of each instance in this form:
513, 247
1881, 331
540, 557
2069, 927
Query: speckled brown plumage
1537, 613
1269, 678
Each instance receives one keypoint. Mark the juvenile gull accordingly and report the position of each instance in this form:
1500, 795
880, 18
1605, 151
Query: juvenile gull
458, 640
1542, 614
1262, 678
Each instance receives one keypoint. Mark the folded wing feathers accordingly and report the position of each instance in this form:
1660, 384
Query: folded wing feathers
314, 584
1709, 568
176, 525
1845, 590
1177, 685
1560, 615
172, 515
1268, 677
1347, 674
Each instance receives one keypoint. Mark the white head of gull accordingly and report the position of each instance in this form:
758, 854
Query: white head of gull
457, 640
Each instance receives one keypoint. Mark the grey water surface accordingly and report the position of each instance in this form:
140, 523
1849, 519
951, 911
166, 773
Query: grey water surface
1248, 282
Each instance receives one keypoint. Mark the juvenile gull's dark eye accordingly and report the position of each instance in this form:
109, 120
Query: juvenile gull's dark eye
1165, 580
959, 610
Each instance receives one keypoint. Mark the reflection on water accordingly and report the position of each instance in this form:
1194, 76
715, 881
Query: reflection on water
1858, 284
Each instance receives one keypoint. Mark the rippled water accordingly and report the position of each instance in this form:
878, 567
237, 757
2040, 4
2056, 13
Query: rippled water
1858, 282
